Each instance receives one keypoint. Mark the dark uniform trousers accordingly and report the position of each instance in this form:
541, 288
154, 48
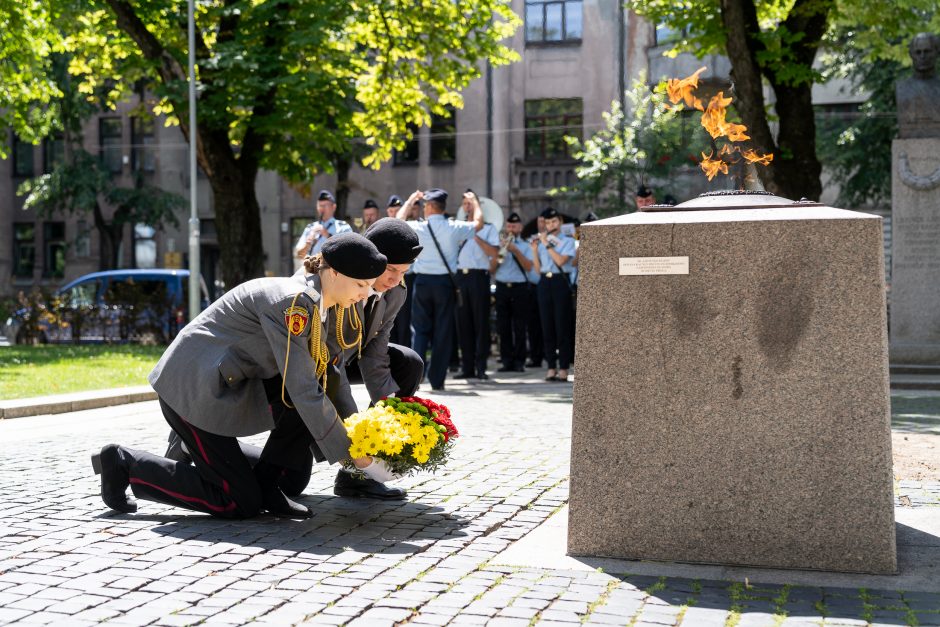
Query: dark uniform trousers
401, 330
432, 316
555, 311
534, 327
221, 480
512, 314
473, 320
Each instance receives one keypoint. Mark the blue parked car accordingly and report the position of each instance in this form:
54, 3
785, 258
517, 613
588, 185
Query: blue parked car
148, 306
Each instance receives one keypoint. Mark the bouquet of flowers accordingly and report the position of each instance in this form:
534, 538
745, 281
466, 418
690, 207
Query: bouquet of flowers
409, 433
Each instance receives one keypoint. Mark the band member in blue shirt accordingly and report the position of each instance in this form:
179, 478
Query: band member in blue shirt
317, 233
512, 295
552, 251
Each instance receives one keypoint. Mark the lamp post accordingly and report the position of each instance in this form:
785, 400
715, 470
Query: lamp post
195, 277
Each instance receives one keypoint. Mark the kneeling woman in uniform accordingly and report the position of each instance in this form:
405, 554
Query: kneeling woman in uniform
214, 383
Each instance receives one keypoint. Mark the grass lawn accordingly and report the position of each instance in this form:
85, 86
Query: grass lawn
27, 371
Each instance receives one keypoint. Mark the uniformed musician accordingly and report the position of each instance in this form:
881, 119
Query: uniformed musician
513, 304
432, 311
473, 279
552, 251
370, 214
211, 386
317, 233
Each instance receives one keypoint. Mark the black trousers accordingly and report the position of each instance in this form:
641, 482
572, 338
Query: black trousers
512, 313
401, 331
473, 320
534, 327
555, 310
220, 481
432, 316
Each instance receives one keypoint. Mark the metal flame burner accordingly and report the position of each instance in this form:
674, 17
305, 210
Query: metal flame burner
734, 199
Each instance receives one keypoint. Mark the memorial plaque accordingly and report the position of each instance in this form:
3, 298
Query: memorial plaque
635, 266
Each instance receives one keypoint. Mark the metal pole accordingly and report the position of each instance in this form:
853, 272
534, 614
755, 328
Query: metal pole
194, 273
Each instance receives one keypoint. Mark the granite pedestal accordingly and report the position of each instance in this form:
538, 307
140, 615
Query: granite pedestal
915, 251
731, 403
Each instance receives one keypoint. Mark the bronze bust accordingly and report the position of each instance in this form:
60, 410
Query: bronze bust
918, 97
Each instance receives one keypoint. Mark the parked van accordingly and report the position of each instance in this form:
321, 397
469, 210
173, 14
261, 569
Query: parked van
148, 306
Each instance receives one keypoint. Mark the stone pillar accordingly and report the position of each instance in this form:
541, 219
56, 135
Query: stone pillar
731, 402
915, 256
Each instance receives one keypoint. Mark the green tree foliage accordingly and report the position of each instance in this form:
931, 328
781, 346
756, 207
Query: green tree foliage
286, 85
649, 142
775, 42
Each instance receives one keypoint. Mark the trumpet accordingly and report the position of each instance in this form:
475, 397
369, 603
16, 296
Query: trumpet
505, 238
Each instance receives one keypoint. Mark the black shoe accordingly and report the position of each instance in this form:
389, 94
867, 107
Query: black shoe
176, 450
272, 499
533, 364
464, 375
364, 488
483, 376
507, 369
518, 369
437, 388
115, 479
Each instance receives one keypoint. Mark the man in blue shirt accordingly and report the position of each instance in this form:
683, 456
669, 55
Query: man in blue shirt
552, 251
434, 299
317, 233
512, 295
473, 317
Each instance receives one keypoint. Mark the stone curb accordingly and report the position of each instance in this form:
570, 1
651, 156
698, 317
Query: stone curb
61, 403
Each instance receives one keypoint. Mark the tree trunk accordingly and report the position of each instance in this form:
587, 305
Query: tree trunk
342, 165
797, 171
109, 240
238, 224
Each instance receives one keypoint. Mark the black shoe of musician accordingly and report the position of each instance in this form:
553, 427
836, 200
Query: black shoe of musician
115, 479
353, 487
272, 499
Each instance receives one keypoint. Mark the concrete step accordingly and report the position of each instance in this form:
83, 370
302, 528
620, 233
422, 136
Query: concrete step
915, 369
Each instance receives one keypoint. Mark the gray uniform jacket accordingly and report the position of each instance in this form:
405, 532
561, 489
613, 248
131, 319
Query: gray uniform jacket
212, 373
378, 316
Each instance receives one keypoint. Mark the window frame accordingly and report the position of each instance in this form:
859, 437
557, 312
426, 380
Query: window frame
397, 158
567, 124
564, 40
50, 244
143, 153
19, 244
18, 161
105, 147
53, 152
442, 137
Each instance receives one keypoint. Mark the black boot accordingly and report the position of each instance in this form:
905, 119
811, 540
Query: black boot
272, 499
355, 487
112, 466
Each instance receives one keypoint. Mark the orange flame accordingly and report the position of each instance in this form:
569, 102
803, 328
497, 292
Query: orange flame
753, 157
682, 88
715, 123
711, 167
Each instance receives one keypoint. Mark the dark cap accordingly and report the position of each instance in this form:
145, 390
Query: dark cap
394, 239
353, 255
513, 218
643, 191
436, 195
590, 217
394, 201
370, 204
326, 194
550, 213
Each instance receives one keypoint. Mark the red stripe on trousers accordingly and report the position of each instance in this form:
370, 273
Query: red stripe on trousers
188, 499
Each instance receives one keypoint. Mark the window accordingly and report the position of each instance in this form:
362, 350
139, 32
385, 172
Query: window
409, 154
110, 144
552, 21
143, 157
85, 294
83, 240
24, 249
546, 123
53, 152
444, 137
22, 158
145, 246
53, 241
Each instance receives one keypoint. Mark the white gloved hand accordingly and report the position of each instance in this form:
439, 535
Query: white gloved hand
379, 471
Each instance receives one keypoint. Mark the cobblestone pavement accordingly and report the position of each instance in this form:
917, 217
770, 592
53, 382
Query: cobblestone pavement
66, 559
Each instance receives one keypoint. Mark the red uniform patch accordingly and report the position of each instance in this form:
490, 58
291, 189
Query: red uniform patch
296, 319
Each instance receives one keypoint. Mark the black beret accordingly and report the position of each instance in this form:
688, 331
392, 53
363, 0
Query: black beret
370, 204
394, 201
643, 191
326, 194
550, 213
437, 195
513, 217
590, 217
394, 239
353, 255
